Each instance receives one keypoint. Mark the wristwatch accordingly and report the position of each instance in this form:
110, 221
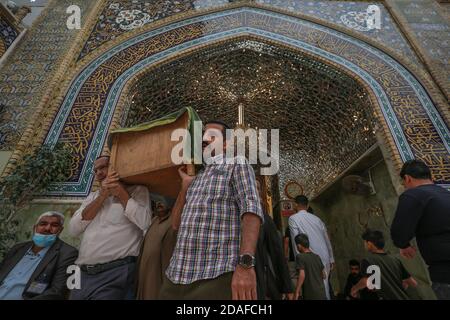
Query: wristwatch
246, 260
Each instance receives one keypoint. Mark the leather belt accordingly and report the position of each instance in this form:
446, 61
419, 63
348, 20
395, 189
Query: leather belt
102, 267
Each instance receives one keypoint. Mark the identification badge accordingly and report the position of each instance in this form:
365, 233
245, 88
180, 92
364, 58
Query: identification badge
37, 287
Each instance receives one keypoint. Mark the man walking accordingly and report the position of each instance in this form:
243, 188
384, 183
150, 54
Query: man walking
311, 272
272, 272
395, 279
157, 249
213, 210
314, 228
423, 212
112, 221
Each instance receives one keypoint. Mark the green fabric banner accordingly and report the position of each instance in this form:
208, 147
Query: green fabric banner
170, 118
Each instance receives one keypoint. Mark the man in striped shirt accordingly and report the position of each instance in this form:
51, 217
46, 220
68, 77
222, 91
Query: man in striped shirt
218, 215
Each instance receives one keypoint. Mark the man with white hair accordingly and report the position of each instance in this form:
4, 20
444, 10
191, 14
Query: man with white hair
111, 222
37, 269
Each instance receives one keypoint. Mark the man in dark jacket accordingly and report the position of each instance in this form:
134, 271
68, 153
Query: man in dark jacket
37, 269
423, 212
272, 272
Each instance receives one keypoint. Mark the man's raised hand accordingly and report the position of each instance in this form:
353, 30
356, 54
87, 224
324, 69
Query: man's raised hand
186, 179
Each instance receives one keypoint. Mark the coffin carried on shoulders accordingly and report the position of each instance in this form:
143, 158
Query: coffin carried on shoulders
143, 154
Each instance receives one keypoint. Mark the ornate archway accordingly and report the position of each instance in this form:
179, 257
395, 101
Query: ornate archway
324, 116
411, 124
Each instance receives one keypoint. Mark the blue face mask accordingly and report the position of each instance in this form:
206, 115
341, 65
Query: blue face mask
44, 240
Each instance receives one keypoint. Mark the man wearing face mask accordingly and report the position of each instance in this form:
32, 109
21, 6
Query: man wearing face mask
37, 269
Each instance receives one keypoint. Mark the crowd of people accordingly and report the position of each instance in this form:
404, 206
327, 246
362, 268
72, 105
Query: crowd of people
214, 241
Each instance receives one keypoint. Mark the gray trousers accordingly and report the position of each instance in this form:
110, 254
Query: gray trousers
114, 284
442, 290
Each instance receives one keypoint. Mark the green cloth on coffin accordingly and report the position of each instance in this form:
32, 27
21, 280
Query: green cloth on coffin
170, 118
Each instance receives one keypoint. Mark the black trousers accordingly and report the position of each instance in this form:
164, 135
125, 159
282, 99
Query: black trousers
210, 289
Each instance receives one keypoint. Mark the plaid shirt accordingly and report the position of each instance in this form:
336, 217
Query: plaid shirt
210, 231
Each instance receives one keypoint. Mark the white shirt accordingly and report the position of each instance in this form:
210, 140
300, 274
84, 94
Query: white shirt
115, 232
305, 222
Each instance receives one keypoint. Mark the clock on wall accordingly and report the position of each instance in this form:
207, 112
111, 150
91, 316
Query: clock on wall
293, 189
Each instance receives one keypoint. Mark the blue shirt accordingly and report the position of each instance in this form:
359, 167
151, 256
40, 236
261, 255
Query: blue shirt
16, 280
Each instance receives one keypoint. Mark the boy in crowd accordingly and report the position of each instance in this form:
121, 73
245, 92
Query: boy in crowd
393, 275
310, 285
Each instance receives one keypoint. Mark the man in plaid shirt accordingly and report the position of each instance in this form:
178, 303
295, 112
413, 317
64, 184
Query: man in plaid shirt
218, 215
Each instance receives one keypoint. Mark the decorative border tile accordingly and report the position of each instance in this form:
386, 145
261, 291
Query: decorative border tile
81, 186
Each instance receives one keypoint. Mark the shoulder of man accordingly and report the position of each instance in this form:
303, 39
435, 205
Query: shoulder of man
315, 218
66, 248
394, 261
317, 258
19, 246
22, 244
299, 258
295, 216
416, 193
365, 262
395, 258
11, 254
240, 160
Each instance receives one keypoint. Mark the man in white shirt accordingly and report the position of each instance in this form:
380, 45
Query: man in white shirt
305, 222
112, 221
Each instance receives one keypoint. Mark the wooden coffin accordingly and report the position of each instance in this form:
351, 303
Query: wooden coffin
144, 157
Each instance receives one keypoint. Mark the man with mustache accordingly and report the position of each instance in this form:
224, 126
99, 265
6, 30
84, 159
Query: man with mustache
157, 249
112, 220
218, 215
37, 269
